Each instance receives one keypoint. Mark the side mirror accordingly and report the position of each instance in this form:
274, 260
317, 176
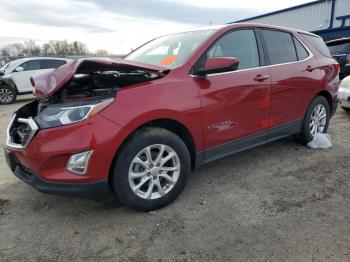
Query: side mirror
219, 65
19, 69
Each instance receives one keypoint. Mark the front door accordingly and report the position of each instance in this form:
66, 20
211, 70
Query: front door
235, 104
22, 79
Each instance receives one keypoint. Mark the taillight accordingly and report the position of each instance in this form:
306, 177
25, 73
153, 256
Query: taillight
348, 59
337, 68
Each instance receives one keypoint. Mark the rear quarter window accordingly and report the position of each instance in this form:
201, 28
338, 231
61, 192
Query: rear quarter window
318, 43
301, 51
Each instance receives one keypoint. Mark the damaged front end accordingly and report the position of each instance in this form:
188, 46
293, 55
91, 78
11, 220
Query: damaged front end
75, 92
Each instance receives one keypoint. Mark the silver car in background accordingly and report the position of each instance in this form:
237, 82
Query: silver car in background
15, 76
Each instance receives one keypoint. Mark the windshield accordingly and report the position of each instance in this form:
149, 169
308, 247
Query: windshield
170, 51
2, 69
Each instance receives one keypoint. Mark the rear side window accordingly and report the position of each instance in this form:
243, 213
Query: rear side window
47, 64
301, 51
318, 43
241, 44
280, 47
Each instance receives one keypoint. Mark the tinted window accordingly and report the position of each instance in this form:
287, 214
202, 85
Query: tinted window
301, 51
318, 43
31, 65
343, 48
46, 64
280, 47
241, 44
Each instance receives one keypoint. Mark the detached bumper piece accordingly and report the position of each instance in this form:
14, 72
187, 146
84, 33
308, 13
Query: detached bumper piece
97, 191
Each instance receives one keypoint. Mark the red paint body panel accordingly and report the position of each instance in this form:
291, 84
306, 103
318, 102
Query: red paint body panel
215, 109
234, 105
48, 153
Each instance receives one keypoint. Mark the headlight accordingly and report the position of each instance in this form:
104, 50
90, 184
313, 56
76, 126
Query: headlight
65, 114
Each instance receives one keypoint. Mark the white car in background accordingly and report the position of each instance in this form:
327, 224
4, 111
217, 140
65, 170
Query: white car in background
15, 76
344, 94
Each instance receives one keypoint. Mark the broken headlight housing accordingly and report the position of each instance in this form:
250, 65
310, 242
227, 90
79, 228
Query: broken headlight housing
64, 114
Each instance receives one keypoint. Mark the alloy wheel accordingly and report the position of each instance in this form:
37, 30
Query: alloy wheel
6, 95
318, 119
154, 171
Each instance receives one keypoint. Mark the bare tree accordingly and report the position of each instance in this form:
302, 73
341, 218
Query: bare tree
51, 48
12, 50
30, 48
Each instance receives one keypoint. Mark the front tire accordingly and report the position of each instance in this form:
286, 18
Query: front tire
151, 169
316, 120
7, 95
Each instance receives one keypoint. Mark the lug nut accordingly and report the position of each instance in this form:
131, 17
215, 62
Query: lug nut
148, 174
150, 166
160, 171
158, 165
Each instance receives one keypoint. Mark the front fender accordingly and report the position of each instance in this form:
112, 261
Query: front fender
129, 127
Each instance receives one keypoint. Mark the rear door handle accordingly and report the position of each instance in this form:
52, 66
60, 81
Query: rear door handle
310, 68
260, 78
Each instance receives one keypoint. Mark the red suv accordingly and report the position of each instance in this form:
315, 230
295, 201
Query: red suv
135, 127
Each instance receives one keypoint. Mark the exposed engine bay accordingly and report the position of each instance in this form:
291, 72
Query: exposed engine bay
99, 80
88, 89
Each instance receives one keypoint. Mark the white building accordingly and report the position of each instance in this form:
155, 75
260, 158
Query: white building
327, 18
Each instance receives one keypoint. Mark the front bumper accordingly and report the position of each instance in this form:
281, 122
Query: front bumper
42, 163
95, 190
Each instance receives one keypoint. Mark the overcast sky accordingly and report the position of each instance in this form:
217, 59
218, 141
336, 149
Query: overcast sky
119, 25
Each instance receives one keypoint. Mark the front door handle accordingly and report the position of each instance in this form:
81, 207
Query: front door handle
310, 68
260, 78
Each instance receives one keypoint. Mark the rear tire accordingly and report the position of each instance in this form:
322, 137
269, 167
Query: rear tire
346, 109
7, 95
143, 161
314, 121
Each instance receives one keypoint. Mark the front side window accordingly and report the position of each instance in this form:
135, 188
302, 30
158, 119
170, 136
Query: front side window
240, 44
280, 47
31, 65
170, 51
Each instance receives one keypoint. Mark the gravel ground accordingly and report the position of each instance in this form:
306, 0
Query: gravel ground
278, 202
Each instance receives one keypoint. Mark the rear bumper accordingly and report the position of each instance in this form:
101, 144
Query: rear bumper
98, 191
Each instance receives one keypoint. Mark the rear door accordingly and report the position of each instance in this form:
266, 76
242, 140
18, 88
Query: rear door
235, 103
295, 80
51, 63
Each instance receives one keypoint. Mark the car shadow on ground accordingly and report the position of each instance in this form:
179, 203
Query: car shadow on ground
223, 169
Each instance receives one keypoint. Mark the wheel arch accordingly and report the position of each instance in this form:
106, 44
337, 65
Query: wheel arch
169, 124
9, 82
328, 97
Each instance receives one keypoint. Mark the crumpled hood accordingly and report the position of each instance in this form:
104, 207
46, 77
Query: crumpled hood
48, 83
